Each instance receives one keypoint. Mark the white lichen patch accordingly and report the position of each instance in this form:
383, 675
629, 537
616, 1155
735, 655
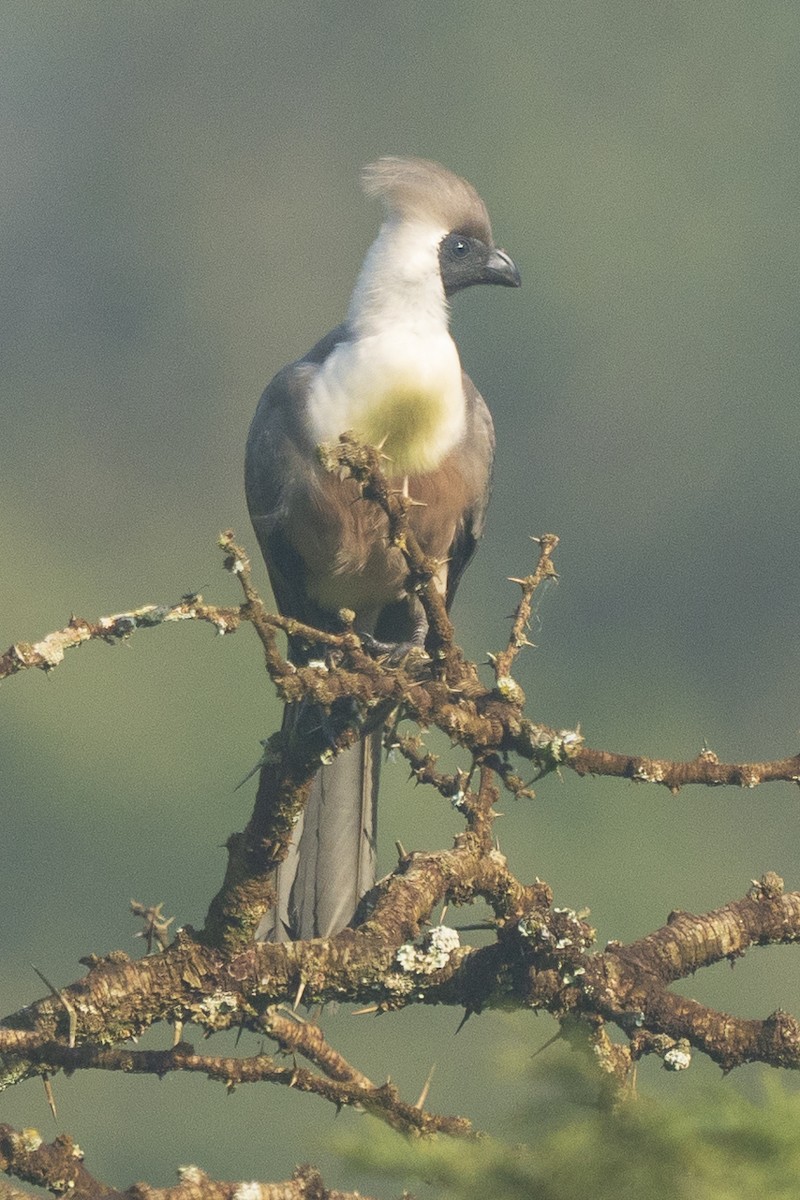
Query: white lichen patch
434, 953
679, 1058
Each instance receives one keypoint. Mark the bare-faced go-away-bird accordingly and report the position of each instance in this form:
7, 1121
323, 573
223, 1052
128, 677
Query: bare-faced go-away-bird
390, 375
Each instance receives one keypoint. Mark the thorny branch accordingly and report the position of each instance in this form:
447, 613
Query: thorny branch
542, 956
486, 721
59, 1167
340, 1083
518, 638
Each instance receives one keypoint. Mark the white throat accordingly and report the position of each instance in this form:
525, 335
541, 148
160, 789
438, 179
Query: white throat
397, 382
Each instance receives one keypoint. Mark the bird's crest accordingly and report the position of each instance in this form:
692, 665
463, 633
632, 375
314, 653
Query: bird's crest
417, 189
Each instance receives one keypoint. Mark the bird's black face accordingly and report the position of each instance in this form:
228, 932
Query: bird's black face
465, 260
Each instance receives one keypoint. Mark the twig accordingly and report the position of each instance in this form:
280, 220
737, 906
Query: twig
341, 1085
156, 925
296, 1036
49, 651
502, 662
705, 769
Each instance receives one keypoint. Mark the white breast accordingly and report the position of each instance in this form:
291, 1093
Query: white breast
397, 383
401, 392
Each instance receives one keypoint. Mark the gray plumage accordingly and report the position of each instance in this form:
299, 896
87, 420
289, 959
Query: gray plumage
391, 374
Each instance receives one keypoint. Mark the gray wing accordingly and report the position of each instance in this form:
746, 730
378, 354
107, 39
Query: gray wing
278, 454
478, 454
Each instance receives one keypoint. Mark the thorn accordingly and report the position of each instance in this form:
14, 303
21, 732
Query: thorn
513, 579
72, 1015
464, 1019
48, 1091
299, 994
426, 1087
546, 1045
401, 850
370, 1008
295, 1016
444, 914
53, 991
177, 1032
416, 503
242, 782
379, 445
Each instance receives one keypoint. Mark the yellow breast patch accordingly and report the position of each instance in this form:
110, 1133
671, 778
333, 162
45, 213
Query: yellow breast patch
415, 428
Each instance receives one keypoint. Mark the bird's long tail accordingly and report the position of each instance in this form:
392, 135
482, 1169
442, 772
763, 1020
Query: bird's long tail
331, 861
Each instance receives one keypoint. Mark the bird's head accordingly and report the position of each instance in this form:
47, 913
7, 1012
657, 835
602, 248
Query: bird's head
423, 194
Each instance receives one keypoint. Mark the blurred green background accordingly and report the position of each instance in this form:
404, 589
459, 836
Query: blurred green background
181, 216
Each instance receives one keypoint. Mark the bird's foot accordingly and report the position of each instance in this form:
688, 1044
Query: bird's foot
393, 654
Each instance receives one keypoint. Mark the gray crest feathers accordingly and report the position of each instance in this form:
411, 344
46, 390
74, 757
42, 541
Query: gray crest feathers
417, 189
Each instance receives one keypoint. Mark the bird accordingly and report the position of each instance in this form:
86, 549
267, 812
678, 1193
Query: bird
391, 375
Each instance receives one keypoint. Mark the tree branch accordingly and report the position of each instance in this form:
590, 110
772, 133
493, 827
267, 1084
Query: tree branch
542, 957
58, 1166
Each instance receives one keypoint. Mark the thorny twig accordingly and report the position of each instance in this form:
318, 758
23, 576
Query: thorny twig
503, 661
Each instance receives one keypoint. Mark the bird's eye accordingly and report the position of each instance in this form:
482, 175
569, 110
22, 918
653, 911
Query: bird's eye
459, 247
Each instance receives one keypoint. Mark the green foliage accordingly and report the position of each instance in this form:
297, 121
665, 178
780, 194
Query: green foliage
717, 1146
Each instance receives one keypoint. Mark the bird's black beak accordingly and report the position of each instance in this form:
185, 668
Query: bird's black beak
499, 268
